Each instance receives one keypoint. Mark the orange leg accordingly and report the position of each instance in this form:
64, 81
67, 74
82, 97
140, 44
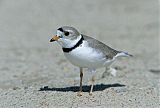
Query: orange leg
81, 77
92, 84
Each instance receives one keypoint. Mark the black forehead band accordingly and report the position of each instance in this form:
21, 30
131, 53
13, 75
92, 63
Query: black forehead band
60, 29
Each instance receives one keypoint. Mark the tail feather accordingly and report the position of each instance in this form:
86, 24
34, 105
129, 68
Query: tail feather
124, 54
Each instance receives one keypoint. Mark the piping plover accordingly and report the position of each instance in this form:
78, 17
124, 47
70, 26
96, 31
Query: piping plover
85, 52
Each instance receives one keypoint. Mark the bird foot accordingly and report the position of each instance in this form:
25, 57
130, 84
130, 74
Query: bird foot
90, 93
79, 93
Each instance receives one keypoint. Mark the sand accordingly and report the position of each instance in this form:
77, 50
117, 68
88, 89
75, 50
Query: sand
35, 74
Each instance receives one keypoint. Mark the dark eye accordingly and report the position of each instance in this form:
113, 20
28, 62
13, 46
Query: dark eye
66, 33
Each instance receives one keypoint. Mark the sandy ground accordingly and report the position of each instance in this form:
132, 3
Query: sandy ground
35, 74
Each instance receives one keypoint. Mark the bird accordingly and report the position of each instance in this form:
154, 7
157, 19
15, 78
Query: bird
86, 52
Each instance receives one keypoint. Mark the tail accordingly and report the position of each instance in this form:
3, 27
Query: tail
123, 54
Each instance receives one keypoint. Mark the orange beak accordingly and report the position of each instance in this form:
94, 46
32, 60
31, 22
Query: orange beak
54, 38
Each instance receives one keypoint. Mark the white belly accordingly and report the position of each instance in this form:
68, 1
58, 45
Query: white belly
86, 57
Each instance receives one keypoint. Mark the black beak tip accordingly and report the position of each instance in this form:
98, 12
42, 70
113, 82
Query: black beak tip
52, 40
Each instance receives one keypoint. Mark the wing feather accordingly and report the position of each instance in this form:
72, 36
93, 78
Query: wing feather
99, 46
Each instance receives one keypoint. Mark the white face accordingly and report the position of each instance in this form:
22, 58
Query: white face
65, 41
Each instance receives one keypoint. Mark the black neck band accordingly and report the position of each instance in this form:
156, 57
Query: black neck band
75, 46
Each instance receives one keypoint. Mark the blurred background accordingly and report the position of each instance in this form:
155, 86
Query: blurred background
26, 26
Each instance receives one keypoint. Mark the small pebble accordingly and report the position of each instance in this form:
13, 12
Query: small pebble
120, 90
15, 88
156, 71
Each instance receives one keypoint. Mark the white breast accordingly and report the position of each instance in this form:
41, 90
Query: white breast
85, 56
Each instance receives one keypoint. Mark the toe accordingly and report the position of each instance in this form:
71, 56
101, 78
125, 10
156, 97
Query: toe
79, 94
90, 93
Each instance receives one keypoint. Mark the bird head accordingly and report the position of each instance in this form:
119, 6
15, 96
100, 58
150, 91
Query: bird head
66, 36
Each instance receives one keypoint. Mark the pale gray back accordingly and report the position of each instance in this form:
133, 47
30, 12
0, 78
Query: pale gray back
101, 47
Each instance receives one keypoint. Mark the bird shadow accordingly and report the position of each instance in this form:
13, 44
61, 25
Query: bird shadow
86, 88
